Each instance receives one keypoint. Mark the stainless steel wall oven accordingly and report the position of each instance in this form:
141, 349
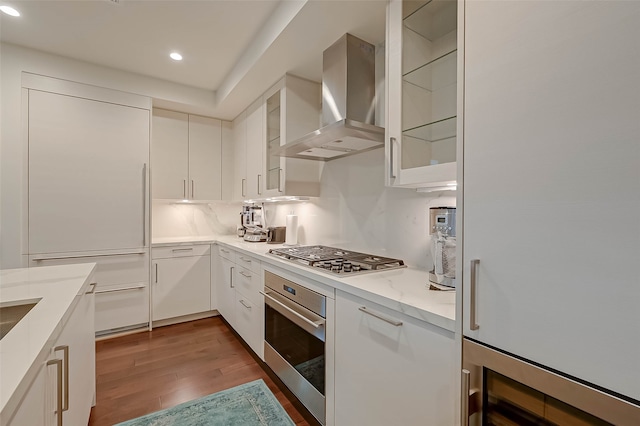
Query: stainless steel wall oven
295, 336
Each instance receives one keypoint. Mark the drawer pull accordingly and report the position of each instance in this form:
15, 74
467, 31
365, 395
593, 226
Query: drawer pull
40, 259
182, 249
245, 304
244, 259
93, 288
244, 274
379, 316
111, 290
224, 251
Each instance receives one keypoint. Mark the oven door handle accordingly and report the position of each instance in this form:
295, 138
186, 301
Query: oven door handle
314, 324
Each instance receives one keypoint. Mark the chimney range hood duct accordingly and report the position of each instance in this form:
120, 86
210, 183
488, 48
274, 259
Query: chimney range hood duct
348, 105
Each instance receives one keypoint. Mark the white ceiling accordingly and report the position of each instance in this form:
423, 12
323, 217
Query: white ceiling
235, 48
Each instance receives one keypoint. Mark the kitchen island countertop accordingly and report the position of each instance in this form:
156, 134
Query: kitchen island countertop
404, 290
27, 345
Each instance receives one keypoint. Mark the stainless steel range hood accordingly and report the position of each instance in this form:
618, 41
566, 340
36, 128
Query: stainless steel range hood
348, 105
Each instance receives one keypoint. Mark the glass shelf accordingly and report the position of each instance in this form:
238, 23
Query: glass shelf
435, 74
434, 131
432, 19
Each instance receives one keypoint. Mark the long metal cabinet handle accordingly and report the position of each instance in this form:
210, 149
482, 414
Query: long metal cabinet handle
383, 318
113, 290
392, 143
259, 178
279, 180
156, 272
40, 259
184, 188
242, 187
464, 395
65, 353
231, 276
473, 325
93, 288
58, 363
144, 205
302, 317
182, 249
245, 304
193, 191
244, 274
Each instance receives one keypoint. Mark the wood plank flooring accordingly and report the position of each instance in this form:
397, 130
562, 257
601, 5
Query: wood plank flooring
146, 372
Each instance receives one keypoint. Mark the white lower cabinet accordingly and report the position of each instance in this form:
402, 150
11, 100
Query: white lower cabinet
391, 368
181, 281
240, 281
66, 377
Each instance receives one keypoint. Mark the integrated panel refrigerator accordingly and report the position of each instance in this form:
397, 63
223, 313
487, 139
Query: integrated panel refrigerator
88, 192
550, 200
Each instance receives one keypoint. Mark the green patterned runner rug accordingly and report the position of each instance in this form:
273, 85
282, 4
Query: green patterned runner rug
246, 405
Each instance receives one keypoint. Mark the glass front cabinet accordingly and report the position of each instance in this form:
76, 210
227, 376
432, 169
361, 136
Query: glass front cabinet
422, 93
292, 109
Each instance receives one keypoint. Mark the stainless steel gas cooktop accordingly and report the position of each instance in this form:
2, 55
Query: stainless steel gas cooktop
337, 261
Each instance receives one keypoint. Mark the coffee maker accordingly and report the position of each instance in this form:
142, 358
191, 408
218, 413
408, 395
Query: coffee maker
252, 224
442, 229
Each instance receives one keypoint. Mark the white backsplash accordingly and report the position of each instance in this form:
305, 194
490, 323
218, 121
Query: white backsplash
194, 220
355, 211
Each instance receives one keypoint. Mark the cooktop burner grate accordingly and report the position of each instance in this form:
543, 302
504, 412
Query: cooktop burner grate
338, 261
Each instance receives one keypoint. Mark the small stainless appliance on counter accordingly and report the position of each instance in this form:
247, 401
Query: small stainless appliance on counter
276, 234
252, 224
335, 260
442, 228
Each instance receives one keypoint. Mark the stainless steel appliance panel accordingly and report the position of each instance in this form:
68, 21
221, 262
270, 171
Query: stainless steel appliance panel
503, 389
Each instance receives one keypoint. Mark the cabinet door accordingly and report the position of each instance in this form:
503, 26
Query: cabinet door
249, 322
422, 92
170, 154
181, 286
240, 156
551, 184
77, 341
226, 291
87, 174
35, 407
255, 135
205, 151
396, 370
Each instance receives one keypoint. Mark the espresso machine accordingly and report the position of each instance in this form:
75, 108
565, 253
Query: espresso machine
252, 224
442, 233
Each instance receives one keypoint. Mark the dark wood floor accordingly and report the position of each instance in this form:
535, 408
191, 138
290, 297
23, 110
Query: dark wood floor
146, 372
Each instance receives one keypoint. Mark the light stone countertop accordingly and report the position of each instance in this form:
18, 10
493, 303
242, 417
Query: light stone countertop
404, 290
28, 344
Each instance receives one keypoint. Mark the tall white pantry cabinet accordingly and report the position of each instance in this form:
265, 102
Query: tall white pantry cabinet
88, 190
551, 178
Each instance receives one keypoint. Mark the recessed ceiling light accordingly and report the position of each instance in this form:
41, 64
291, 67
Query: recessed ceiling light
175, 56
9, 10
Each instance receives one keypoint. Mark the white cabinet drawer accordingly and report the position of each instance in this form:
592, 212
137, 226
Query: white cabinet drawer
248, 283
227, 253
248, 262
180, 251
249, 318
111, 270
122, 306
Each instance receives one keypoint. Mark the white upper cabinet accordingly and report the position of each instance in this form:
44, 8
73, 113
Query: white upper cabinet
292, 109
254, 184
239, 136
287, 111
422, 93
186, 156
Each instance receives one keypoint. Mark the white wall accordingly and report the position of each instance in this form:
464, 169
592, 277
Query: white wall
194, 220
13, 61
